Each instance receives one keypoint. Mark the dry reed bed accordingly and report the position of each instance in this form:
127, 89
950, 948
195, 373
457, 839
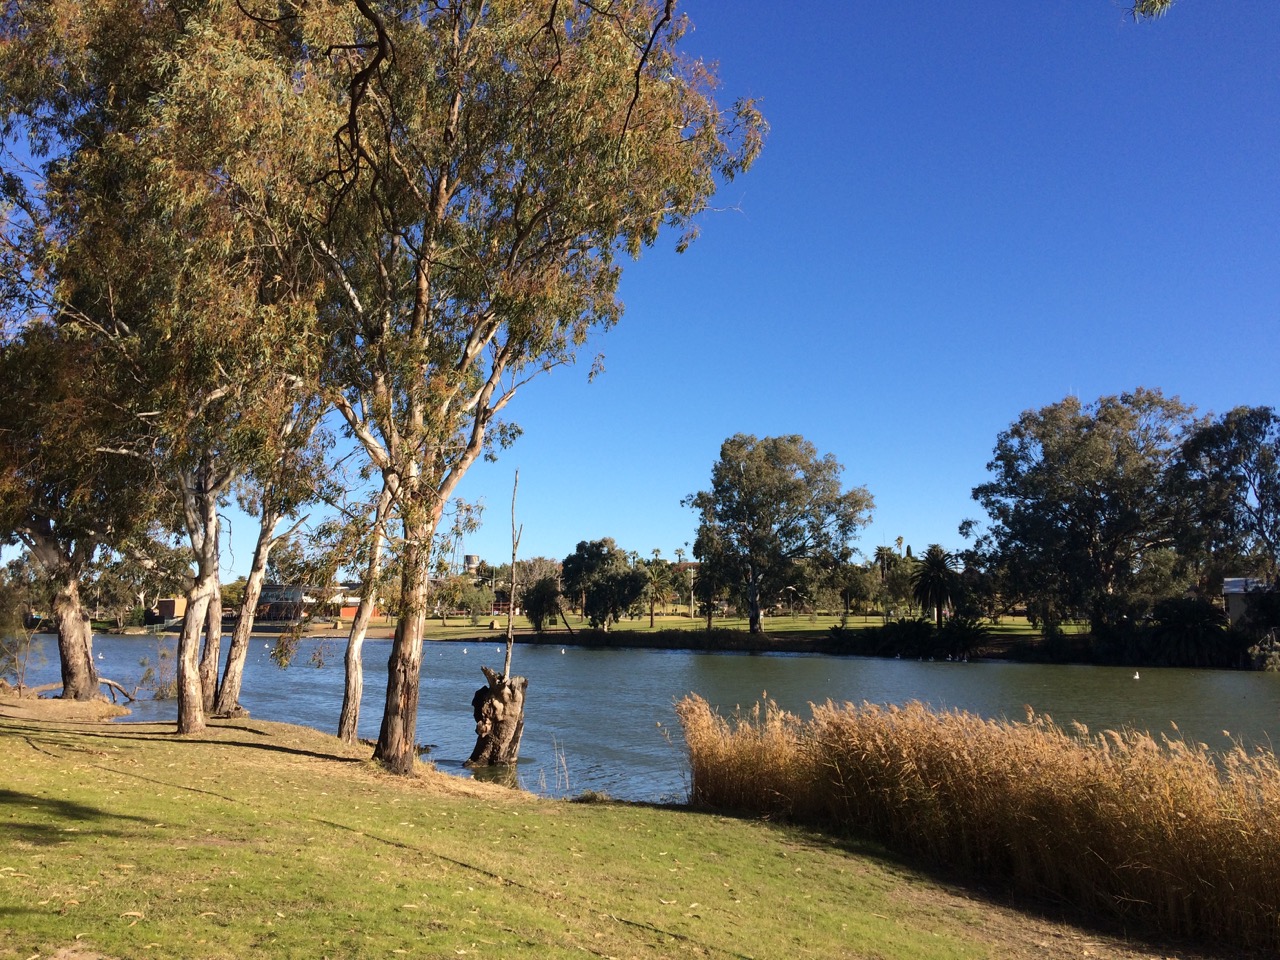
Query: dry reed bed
1169, 834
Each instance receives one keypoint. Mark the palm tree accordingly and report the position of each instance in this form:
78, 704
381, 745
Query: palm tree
660, 581
885, 559
934, 583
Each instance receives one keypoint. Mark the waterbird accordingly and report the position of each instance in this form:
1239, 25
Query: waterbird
1135, 675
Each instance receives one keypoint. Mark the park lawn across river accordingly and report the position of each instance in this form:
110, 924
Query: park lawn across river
270, 840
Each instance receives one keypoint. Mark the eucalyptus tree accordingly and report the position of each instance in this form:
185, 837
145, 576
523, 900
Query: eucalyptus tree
65, 501
167, 250
467, 173
1080, 494
65, 492
1230, 470
491, 163
773, 503
370, 553
542, 602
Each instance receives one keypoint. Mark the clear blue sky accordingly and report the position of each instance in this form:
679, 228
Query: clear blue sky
962, 211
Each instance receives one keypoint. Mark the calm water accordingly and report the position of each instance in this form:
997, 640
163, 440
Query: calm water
604, 719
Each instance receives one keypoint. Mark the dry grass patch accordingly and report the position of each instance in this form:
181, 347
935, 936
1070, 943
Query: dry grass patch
1168, 835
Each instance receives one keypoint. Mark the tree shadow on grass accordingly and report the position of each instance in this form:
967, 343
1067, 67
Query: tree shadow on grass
45, 821
74, 739
280, 748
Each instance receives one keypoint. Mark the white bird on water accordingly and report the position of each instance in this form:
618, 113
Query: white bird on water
1135, 675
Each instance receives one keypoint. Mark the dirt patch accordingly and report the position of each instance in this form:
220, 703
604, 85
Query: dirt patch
28, 706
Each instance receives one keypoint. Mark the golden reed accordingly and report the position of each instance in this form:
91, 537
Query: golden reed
1172, 835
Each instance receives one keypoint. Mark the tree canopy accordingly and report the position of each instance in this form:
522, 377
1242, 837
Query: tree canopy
600, 573
1230, 467
773, 503
1081, 494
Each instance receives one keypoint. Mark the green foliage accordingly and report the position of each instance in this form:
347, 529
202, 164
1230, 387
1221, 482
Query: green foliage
477, 599
961, 635
22, 593
160, 676
600, 574
611, 594
1150, 9
1230, 468
773, 503
660, 582
1082, 495
228, 211
541, 601
934, 584
1261, 628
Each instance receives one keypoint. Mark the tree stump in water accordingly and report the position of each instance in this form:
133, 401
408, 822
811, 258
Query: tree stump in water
499, 713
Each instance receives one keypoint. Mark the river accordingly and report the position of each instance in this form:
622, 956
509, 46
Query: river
604, 720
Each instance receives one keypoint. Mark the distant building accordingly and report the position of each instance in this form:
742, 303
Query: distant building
291, 601
171, 608
1235, 591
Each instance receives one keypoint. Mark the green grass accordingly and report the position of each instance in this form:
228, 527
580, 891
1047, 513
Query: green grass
263, 840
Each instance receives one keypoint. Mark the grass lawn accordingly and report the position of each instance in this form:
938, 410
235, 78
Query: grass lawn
267, 840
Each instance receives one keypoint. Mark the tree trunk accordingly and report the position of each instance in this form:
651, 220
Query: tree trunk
75, 644
200, 505
753, 608
353, 690
499, 713
191, 712
212, 648
397, 748
227, 703
353, 687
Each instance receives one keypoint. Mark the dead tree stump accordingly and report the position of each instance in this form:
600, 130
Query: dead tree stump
499, 713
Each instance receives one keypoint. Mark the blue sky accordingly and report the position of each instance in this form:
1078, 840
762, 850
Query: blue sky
962, 211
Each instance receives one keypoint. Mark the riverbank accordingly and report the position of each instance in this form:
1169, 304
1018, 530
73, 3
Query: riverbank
1014, 640
267, 840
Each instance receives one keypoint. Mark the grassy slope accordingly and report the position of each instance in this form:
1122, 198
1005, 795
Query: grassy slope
264, 840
